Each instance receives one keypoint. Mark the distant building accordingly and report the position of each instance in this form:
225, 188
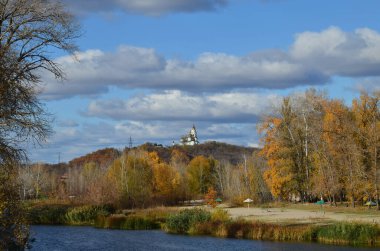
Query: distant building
191, 138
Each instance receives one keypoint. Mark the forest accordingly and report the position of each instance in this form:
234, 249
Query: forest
312, 147
150, 175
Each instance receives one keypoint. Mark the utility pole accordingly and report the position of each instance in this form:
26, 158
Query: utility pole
59, 157
130, 142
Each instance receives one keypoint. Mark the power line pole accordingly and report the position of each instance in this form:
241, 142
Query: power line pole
130, 142
59, 157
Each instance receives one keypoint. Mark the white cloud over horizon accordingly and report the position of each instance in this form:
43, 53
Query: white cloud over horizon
236, 107
313, 59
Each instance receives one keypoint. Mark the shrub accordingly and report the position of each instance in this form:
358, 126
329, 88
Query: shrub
85, 214
220, 215
65, 214
47, 214
184, 220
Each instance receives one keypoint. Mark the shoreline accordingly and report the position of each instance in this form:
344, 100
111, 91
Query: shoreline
269, 224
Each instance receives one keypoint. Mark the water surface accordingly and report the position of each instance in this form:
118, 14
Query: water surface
88, 238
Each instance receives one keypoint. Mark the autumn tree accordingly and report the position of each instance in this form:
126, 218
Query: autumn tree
366, 111
132, 175
201, 174
210, 197
179, 161
166, 179
330, 142
283, 149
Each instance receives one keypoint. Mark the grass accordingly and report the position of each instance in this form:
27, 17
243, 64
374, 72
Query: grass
126, 222
349, 233
183, 221
338, 233
143, 219
86, 215
64, 214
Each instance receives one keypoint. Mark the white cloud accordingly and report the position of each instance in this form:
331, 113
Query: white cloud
175, 105
313, 59
145, 7
335, 52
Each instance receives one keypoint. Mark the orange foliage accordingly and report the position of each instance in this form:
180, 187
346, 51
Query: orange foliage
210, 197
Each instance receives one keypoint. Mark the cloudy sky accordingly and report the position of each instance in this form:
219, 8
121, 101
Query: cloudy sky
150, 69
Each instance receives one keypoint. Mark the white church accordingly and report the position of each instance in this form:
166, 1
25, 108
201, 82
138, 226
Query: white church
191, 138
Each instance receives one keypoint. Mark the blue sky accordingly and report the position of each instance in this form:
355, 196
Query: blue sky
150, 69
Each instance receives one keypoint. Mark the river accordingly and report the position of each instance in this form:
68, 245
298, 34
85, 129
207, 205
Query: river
88, 238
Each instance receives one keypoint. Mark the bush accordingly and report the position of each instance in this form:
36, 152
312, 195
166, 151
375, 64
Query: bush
182, 222
48, 214
65, 214
220, 215
85, 214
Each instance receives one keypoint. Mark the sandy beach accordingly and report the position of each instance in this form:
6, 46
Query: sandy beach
296, 216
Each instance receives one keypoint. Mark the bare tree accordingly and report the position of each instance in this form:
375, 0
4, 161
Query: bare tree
30, 31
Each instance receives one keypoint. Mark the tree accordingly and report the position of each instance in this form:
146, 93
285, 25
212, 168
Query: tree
132, 175
366, 111
283, 149
210, 197
201, 174
29, 31
13, 232
166, 181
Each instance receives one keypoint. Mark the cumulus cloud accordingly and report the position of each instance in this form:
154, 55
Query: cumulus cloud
145, 7
313, 59
335, 52
178, 106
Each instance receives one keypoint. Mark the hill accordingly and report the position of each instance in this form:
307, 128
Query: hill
217, 150
102, 158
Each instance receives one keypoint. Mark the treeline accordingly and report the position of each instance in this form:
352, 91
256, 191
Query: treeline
140, 177
317, 146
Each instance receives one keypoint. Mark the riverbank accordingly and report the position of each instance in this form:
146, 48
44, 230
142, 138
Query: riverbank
218, 223
274, 224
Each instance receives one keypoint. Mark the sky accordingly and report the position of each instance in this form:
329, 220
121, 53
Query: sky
150, 69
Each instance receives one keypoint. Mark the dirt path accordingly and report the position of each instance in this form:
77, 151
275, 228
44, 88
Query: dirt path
285, 215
